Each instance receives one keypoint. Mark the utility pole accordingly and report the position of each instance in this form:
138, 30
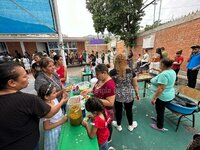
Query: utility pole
60, 38
159, 10
154, 13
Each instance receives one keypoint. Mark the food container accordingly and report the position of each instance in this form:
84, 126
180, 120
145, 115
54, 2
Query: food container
93, 81
83, 85
75, 112
69, 88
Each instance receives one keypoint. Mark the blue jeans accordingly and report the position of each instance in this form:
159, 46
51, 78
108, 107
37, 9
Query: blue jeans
36, 147
103, 146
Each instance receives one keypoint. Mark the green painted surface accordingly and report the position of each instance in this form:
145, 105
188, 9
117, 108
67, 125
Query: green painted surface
76, 138
144, 137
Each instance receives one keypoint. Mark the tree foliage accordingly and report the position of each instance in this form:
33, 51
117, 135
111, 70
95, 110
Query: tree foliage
119, 17
154, 25
107, 40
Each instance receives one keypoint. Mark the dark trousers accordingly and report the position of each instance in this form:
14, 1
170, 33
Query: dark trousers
118, 112
192, 77
110, 129
109, 60
160, 110
176, 70
102, 61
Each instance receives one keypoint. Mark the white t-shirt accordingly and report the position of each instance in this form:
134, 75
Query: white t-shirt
58, 116
145, 58
93, 71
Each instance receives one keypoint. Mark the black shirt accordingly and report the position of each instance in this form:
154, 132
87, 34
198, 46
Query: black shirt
19, 116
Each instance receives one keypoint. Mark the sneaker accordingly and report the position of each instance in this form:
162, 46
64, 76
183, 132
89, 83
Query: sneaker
109, 141
119, 128
153, 118
133, 126
111, 148
154, 126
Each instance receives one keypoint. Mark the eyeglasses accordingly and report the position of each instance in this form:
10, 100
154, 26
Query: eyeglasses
49, 87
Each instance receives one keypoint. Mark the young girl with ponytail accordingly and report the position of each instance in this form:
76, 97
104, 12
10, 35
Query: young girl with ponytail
99, 122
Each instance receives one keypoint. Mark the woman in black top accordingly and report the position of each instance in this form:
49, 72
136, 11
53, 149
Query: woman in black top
20, 112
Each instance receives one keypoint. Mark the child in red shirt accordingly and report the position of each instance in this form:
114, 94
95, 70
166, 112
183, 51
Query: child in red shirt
99, 122
177, 63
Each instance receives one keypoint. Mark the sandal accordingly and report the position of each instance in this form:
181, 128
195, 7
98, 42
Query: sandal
154, 126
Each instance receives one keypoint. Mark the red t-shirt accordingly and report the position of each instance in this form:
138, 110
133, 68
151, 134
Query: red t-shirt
106, 90
179, 59
102, 130
60, 72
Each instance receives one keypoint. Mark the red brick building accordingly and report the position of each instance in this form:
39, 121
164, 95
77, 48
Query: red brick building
179, 34
40, 43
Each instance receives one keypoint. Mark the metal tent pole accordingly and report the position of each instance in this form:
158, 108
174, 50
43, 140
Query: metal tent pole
60, 38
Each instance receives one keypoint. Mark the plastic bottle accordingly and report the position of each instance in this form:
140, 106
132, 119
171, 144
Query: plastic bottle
83, 108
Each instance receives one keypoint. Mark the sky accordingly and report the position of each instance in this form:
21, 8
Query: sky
76, 21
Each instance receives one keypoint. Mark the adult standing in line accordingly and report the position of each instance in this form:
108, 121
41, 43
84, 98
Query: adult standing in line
61, 70
114, 54
109, 56
48, 76
103, 57
20, 128
164, 52
164, 92
35, 69
52, 54
26, 62
193, 66
145, 60
130, 59
126, 84
154, 66
97, 57
104, 89
177, 63
85, 56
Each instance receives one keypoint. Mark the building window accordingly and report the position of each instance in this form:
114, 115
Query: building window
68, 46
72, 44
53, 45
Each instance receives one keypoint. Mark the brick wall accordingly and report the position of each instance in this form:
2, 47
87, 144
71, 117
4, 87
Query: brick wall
120, 47
80, 47
174, 36
99, 47
30, 47
12, 46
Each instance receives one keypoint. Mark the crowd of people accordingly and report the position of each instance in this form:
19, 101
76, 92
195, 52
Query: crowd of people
114, 91
144, 63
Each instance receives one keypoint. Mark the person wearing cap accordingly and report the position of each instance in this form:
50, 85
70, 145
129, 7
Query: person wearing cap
193, 66
177, 63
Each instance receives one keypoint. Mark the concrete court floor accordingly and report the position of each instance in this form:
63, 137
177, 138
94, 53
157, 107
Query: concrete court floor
143, 137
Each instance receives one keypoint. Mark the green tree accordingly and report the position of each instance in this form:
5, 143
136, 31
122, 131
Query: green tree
154, 25
119, 17
107, 40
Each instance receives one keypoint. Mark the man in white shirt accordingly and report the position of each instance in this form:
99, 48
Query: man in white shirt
145, 60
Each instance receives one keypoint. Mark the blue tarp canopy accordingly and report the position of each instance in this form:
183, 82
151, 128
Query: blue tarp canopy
26, 17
